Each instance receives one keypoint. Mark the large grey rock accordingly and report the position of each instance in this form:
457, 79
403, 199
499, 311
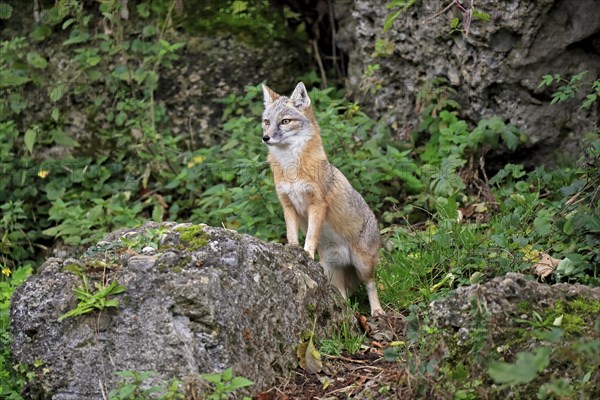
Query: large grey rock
496, 69
213, 300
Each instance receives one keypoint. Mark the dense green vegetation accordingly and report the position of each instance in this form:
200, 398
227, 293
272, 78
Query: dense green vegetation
445, 223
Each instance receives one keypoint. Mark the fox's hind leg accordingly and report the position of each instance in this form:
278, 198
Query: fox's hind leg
337, 266
364, 265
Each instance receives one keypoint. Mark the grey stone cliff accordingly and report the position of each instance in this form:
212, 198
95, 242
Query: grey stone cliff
495, 69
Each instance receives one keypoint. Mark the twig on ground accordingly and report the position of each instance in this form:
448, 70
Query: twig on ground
345, 359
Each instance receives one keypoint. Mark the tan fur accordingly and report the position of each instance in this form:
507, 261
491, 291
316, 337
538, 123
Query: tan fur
317, 198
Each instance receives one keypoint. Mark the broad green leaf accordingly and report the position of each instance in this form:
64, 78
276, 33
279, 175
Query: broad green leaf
36, 60
122, 72
93, 61
17, 102
157, 213
592, 223
149, 30
524, 370
19, 275
94, 74
481, 15
566, 266
578, 77
239, 382
40, 33
212, 378
143, 10
454, 23
30, 137
51, 231
239, 6
569, 226
68, 23
57, 92
542, 223
589, 100
55, 114
227, 374
510, 139
60, 137
6, 10
76, 37
8, 78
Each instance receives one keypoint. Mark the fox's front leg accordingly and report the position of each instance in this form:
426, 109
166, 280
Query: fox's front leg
292, 219
316, 216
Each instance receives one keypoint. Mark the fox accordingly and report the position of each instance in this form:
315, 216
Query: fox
317, 198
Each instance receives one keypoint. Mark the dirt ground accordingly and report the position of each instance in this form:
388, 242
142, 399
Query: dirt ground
366, 374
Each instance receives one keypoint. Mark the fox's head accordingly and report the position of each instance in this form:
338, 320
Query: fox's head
287, 121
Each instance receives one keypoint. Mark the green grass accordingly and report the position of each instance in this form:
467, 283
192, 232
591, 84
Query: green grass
534, 215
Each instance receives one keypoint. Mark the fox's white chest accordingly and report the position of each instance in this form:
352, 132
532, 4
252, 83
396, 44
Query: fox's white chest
297, 192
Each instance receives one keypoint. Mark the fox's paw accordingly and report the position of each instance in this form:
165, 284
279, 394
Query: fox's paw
378, 312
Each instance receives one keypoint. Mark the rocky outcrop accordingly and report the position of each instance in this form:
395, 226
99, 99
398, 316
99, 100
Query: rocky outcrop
495, 70
496, 328
505, 299
198, 299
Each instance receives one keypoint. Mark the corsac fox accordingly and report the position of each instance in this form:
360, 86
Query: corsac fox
317, 198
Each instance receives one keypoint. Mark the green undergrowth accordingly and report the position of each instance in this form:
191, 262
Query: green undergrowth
216, 386
535, 215
12, 375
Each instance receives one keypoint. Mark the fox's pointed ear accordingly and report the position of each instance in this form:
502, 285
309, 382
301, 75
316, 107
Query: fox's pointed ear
300, 96
270, 96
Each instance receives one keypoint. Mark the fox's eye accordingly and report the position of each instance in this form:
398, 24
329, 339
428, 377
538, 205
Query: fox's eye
266, 122
285, 121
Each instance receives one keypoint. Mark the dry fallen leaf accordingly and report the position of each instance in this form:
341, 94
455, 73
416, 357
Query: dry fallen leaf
325, 381
558, 320
362, 321
471, 209
545, 266
309, 357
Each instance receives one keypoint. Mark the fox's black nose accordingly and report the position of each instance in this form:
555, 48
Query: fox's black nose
266, 138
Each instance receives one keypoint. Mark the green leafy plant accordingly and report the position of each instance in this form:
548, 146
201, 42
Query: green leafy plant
131, 388
12, 379
346, 337
524, 370
134, 386
224, 383
99, 184
150, 237
89, 301
571, 87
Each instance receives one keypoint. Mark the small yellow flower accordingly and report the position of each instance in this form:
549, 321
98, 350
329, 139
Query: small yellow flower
196, 160
6, 271
43, 173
